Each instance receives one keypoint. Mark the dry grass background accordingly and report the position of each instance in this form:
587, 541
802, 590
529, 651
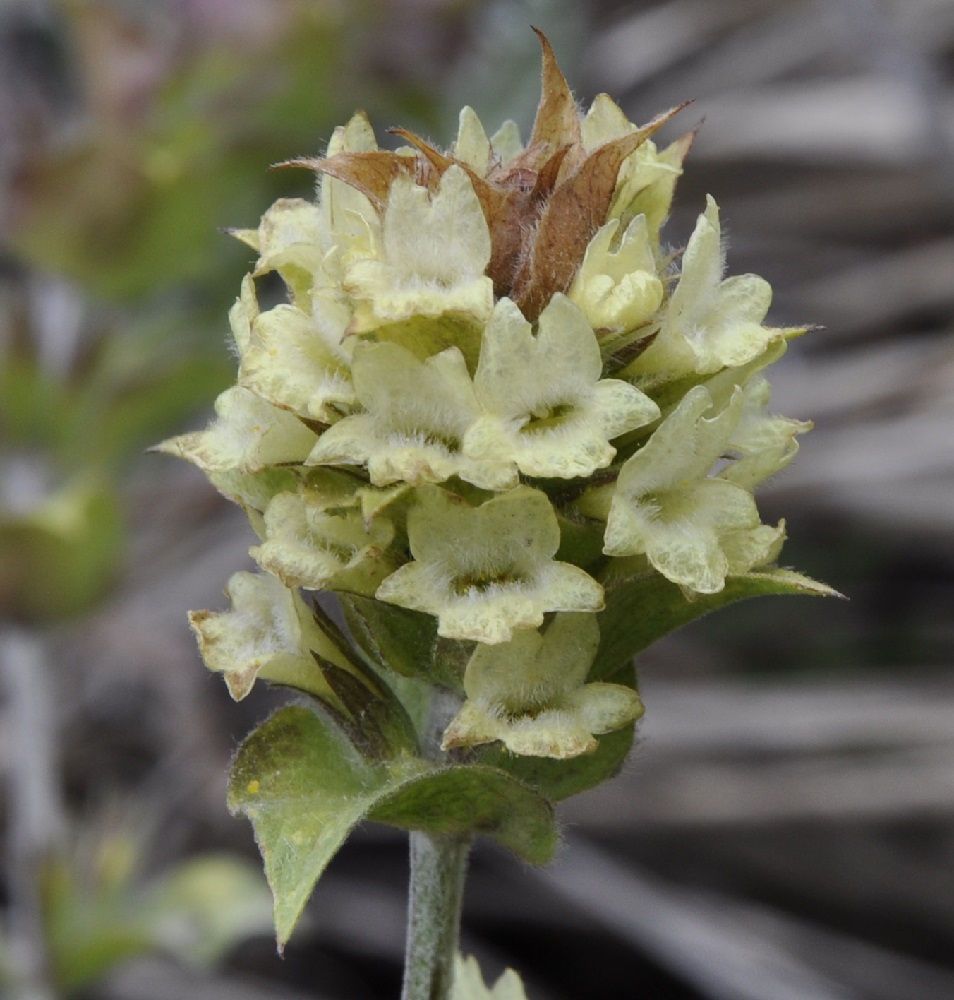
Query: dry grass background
785, 830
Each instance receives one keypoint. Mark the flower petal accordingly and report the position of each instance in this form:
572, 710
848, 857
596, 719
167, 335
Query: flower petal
618, 289
667, 507
248, 434
709, 323
269, 633
530, 693
417, 414
434, 252
294, 361
485, 571
557, 423
311, 542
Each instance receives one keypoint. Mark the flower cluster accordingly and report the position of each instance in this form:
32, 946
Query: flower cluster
492, 389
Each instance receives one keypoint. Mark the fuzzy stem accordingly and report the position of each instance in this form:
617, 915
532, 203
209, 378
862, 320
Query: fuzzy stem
436, 891
438, 866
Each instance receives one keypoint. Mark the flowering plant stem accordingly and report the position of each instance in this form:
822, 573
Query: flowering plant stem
438, 869
519, 448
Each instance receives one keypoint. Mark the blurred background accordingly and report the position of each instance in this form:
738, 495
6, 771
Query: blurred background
785, 828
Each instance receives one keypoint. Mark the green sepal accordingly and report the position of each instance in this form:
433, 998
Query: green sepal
304, 787
368, 709
374, 720
581, 542
646, 607
425, 336
405, 641
390, 635
471, 798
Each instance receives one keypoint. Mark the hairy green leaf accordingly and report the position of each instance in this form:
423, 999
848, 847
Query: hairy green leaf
389, 635
304, 789
644, 608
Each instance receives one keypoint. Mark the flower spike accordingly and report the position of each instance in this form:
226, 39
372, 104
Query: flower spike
514, 439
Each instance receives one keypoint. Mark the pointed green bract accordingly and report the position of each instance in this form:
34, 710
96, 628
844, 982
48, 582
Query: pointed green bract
397, 638
304, 788
644, 608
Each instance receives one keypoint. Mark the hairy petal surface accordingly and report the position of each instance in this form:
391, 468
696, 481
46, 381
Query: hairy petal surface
710, 323
248, 434
295, 361
417, 414
317, 543
559, 420
433, 254
531, 694
618, 289
667, 506
268, 633
485, 571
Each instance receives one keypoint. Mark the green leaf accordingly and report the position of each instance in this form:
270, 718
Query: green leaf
405, 641
303, 788
473, 798
389, 635
644, 608
376, 721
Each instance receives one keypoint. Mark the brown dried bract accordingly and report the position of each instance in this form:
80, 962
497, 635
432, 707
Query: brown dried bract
371, 173
542, 207
575, 209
